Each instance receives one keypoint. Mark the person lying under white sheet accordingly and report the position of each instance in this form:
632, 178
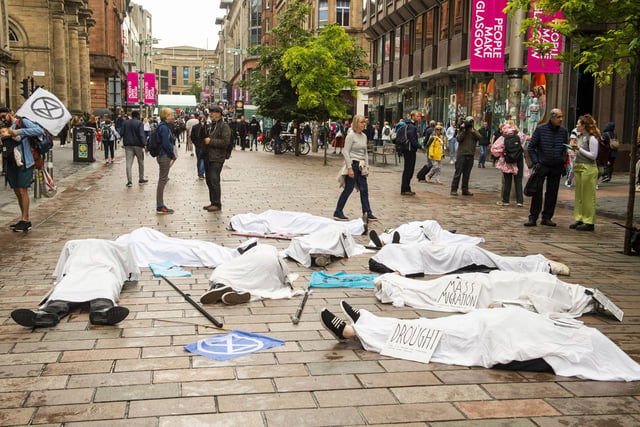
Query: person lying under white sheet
420, 231
90, 271
506, 338
542, 292
286, 222
260, 272
426, 257
321, 245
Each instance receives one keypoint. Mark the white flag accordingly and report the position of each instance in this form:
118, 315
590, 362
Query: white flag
46, 109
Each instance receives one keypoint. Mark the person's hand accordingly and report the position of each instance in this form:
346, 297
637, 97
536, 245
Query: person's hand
351, 173
172, 162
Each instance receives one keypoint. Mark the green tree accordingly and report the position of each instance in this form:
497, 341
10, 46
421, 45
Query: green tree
607, 36
195, 89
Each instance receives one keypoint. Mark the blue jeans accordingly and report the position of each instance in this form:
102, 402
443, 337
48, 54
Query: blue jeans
276, 144
200, 160
349, 185
483, 155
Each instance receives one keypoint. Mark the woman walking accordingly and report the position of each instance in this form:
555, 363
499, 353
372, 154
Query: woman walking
355, 169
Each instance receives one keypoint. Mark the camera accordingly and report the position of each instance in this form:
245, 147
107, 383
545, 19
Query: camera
466, 123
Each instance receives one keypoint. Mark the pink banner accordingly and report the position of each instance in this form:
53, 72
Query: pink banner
132, 88
488, 27
149, 88
547, 64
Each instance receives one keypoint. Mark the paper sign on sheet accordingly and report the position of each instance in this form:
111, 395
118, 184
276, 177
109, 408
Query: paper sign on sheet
488, 28
412, 340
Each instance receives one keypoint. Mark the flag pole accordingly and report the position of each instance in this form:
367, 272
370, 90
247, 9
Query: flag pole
197, 306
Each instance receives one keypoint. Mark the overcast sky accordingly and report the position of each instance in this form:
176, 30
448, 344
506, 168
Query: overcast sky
184, 23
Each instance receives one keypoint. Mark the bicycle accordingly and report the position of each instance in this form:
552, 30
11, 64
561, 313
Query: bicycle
287, 143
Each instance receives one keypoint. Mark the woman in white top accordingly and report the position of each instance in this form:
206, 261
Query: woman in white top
585, 172
386, 134
356, 169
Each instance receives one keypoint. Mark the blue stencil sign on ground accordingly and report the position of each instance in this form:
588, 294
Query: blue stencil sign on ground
234, 344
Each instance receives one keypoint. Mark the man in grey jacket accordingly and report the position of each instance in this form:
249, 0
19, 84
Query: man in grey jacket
467, 137
216, 148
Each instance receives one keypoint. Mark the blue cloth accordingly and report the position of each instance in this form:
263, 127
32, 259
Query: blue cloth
167, 269
320, 279
234, 344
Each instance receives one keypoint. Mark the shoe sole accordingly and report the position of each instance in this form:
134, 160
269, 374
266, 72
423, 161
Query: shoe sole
214, 295
234, 298
110, 317
30, 319
322, 260
21, 230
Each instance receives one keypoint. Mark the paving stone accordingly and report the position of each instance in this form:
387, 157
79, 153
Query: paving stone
68, 413
224, 420
596, 405
112, 379
510, 422
12, 399
354, 397
506, 408
591, 388
288, 370
410, 412
313, 417
216, 388
195, 374
340, 367
526, 390
15, 416
439, 393
60, 397
328, 382
264, 402
164, 407
137, 392
587, 421
77, 368
397, 379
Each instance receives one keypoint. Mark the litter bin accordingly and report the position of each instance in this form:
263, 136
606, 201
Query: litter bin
84, 144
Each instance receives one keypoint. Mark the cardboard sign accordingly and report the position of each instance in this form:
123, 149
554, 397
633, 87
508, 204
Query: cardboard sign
412, 340
460, 294
607, 305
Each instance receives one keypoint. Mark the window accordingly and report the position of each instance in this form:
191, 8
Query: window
323, 13
164, 81
255, 23
458, 16
174, 76
196, 73
428, 33
185, 76
342, 12
444, 20
419, 29
12, 36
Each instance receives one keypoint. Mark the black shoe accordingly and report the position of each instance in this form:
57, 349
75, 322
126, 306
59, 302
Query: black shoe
454, 193
530, 223
233, 297
375, 238
34, 319
340, 217
575, 225
108, 316
322, 260
249, 246
129, 184
467, 193
372, 217
22, 226
350, 312
585, 227
548, 223
215, 295
143, 181
333, 324
396, 238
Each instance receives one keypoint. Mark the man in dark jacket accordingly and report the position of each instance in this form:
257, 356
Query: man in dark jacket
548, 154
134, 144
485, 134
216, 148
410, 154
254, 130
467, 137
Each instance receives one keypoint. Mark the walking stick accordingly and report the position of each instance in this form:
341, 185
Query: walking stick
296, 317
190, 300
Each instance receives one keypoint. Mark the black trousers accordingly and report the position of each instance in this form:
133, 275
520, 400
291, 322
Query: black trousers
552, 176
407, 172
212, 172
464, 166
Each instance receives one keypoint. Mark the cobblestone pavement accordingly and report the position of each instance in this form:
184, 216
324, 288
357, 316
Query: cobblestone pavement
137, 373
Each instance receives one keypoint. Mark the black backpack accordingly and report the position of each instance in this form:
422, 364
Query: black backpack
513, 151
106, 133
402, 143
152, 145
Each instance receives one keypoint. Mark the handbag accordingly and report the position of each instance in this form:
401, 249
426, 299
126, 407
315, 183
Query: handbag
532, 184
614, 144
47, 185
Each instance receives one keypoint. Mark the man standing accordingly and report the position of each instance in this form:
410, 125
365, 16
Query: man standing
548, 153
193, 120
216, 148
16, 150
410, 154
485, 136
467, 137
254, 130
134, 143
243, 131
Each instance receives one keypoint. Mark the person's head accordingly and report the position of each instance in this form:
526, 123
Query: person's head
6, 117
136, 114
166, 115
438, 129
587, 124
108, 121
432, 123
358, 123
555, 117
416, 116
484, 124
386, 123
215, 112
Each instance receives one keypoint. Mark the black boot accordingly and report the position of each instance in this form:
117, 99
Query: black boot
34, 318
102, 311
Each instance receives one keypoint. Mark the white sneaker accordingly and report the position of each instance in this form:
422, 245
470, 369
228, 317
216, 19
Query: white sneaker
559, 269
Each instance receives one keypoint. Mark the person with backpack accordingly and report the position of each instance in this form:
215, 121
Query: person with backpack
509, 148
409, 147
18, 160
166, 156
386, 134
109, 136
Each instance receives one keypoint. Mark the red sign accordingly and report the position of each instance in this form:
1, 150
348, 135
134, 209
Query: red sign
362, 83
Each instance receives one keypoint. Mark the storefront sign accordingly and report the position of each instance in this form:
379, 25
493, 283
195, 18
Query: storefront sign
488, 26
149, 88
536, 63
132, 88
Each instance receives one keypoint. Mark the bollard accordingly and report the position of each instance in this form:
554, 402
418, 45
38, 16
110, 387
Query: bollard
37, 177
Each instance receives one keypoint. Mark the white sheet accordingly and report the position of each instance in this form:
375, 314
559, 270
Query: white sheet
286, 222
431, 258
544, 291
93, 268
260, 270
148, 245
429, 230
331, 240
487, 337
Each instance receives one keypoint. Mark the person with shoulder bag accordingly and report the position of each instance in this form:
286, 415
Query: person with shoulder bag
610, 139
